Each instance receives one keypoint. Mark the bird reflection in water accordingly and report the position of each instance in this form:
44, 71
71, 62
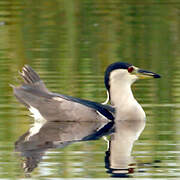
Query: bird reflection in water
57, 135
118, 160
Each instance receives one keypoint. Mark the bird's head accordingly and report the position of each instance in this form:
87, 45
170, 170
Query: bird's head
123, 73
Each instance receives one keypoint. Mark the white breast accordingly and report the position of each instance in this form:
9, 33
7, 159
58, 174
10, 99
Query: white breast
131, 110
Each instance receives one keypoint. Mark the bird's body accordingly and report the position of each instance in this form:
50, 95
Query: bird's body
57, 107
45, 105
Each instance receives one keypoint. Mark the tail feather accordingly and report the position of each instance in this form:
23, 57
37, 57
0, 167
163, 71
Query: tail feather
31, 82
31, 78
29, 75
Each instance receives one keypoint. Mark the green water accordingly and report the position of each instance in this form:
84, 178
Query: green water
70, 44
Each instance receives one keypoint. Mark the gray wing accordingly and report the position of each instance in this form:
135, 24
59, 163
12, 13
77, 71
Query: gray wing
53, 106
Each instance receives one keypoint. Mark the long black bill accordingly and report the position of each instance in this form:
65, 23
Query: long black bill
143, 74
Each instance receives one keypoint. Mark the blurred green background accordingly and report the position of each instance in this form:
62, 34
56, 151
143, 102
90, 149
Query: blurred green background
70, 43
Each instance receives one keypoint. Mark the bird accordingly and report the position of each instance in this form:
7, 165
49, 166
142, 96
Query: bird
50, 106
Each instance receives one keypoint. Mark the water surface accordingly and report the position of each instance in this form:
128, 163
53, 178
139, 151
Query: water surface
70, 43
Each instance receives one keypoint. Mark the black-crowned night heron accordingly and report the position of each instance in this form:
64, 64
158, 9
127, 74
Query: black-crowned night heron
119, 77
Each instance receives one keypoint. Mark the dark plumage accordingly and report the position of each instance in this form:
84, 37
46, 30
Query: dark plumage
112, 67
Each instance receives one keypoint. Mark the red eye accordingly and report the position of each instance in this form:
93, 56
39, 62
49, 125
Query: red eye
130, 69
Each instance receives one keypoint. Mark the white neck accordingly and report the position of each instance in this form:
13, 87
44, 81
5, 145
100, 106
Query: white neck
127, 108
120, 94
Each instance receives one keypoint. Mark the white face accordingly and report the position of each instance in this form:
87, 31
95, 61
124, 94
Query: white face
122, 76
